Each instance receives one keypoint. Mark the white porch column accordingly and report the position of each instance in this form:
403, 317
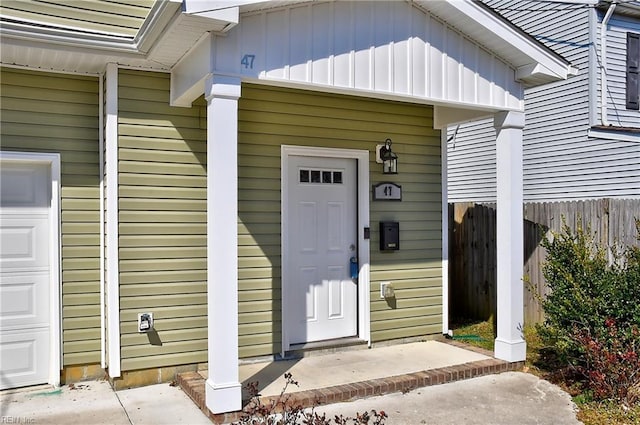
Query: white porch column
509, 344
223, 389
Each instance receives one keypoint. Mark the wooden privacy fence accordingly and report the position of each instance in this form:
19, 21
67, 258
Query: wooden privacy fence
472, 248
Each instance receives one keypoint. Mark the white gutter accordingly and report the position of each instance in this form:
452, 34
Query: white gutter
103, 342
593, 67
603, 64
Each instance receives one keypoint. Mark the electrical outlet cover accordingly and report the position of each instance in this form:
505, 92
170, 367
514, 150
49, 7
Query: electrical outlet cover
145, 322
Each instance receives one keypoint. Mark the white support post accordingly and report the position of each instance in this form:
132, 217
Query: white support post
112, 259
223, 389
445, 233
509, 344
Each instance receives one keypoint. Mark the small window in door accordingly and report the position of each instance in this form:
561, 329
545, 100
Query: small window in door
320, 176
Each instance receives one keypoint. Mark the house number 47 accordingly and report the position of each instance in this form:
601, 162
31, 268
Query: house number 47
247, 61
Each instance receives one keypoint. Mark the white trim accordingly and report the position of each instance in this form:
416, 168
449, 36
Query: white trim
364, 279
445, 234
112, 258
604, 89
223, 391
509, 343
614, 135
592, 71
103, 341
55, 273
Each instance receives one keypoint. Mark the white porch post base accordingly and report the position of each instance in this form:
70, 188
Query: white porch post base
223, 389
511, 351
221, 398
509, 344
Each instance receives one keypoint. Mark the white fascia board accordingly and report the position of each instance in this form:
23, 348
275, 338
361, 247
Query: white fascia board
542, 59
199, 6
189, 74
221, 20
444, 116
162, 13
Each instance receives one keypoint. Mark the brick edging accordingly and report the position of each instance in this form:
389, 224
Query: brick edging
192, 383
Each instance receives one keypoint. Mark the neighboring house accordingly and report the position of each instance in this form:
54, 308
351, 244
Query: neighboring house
211, 164
582, 135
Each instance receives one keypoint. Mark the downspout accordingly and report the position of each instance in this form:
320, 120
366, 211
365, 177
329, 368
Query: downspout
103, 342
593, 67
603, 64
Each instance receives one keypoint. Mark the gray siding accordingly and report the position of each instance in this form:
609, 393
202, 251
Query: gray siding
560, 161
44, 112
471, 162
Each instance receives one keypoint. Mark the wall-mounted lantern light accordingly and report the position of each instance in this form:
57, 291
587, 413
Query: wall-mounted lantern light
388, 158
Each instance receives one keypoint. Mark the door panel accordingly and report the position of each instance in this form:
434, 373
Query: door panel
24, 274
322, 237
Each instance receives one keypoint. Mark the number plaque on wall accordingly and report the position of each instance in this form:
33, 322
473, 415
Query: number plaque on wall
387, 192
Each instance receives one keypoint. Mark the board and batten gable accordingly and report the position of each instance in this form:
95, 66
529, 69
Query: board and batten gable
269, 117
560, 160
162, 223
47, 112
415, 54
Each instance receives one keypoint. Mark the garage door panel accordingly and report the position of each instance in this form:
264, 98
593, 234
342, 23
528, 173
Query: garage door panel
25, 273
22, 362
24, 243
23, 300
21, 186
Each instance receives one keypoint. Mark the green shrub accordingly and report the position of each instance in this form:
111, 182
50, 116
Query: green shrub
592, 312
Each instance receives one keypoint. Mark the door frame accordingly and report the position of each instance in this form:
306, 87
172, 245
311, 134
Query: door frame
55, 278
362, 158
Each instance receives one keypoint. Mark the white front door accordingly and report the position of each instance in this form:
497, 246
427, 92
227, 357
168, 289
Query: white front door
25, 199
321, 239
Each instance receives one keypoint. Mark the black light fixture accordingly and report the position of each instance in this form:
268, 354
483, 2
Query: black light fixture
389, 159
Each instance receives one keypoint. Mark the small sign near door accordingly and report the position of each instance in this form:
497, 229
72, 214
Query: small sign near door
387, 191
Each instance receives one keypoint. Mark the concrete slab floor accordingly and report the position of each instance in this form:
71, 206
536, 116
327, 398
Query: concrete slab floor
355, 366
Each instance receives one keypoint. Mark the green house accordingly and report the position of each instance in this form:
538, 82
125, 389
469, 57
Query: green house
198, 183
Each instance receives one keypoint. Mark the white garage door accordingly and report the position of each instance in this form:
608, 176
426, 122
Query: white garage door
25, 274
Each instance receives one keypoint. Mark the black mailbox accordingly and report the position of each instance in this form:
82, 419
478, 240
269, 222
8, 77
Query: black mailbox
389, 236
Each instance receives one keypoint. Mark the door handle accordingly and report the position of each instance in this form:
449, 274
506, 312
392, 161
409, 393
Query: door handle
353, 267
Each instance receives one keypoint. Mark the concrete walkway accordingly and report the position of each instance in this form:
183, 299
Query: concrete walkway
400, 372
505, 399
95, 402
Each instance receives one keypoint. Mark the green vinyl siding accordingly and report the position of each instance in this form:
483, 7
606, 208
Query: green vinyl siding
162, 228
45, 112
270, 117
120, 18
